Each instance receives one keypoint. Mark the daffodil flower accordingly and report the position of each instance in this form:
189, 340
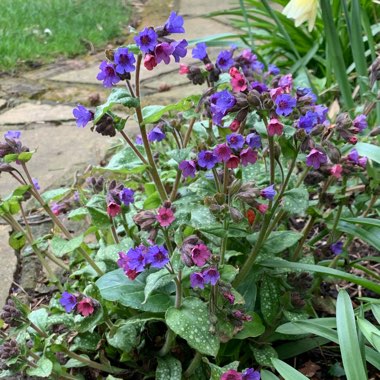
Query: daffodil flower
301, 11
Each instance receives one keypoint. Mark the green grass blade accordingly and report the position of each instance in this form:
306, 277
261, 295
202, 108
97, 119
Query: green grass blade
369, 331
266, 375
376, 312
276, 263
247, 23
364, 221
336, 54
286, 371
348, 338
370, 236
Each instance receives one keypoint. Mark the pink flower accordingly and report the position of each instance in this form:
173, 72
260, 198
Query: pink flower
165, 216
336, 171
275, 127
235, 125
262, 208
85, 307
183, 69
113, 209
233, 162
353, 140
248, 156
150, 62
238, 81
275, 92
286, 83
231, 375
200, 254
234, 72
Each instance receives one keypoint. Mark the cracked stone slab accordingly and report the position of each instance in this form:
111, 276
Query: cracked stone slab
27, 113
201, 7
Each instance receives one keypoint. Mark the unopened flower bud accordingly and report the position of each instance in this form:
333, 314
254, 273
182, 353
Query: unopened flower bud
343, 121
375, 132
235, 186
236, 215
254, 99
9, 349
105, 126
145, 220
332, 152
220, 198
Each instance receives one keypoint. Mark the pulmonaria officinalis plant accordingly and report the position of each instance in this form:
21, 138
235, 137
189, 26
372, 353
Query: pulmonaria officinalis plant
205, 233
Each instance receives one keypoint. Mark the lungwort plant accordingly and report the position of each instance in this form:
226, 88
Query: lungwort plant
230, 216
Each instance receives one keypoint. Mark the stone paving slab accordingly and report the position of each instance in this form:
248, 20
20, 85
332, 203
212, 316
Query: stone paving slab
202, 7
27, 113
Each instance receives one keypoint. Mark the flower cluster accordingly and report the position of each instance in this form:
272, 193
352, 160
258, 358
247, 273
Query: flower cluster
81, 304
157, 47
136, 260
247, 374
117, 196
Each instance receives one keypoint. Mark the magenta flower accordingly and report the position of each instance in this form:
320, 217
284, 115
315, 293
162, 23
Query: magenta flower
124, 61
113, 209
211, 276
146, 40
231, 374
275, 127
188, 168
163, 51
238, 81
286, 82
107, 74
316, 158
150, 62
165, 216
123, 262
157, 256
197, 280
235, 125
82, 115
233, 162
336, 171
85, 307
68, 301
363, 161
248, 156
268, 193
222, 152
200, 254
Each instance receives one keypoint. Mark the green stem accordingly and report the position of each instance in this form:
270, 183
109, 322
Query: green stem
132, 145
305, 232
194, 364
271, 159
168, 241
37, 329
113, 231
216, 179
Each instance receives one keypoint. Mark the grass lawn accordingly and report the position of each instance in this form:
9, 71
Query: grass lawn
39, 30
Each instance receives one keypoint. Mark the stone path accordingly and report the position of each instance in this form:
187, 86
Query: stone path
40, 103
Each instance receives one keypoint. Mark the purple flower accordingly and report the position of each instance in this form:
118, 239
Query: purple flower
199, 51
13, 134
139, 140
174, 24
146, 40
207, 159
157, 256
248, 156
222, 152
137, 258
337, 248
353, 156
127, 196
362, 161
123, 263
257, 66
220, 103
268, 193
36, 184
321, 111
360, 122
259, 87
156, 134
188, 168
107, 74
180, 50
68, 301
235, 141
305, 94
316, 158
197, 280
273, 69
200, 254
285, 104
253, 140
124, 61
225, 60
308, 122
82, 115
251, 374
286, 82
211, 276
163, 51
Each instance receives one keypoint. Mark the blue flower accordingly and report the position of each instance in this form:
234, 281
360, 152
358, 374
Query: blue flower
127, 196
199, 52
253, 140
197, 280
235, 141
305, 94
157, 256
225, 60
268, 193
82, 115
251, 374
285, 104
12, 135
174, 24
207, 159
124, 61
146, 40
220, 103
321, 111
273, 69
308, 122
180, 50
360, 122
36, 184
257, 66
188, 168
156, 134
108, 74
137, 259
337, 248
211, 276
68, 301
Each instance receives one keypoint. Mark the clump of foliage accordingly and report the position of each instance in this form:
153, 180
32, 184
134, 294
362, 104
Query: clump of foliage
212, 235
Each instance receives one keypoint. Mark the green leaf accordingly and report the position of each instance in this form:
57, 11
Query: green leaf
296, 201
269, 299
168, 368
78, 213
60, 247
228, 273
370, 236
286, 371
363, 221
86, 342
111, 252
117, 96
264, 355
376, 312
96, 206
179, 155
370, 332
74, 363
157, 280
55, 194
40, 318
217, 372
153, 113
116, 286
43, 369
348, 338
152, 202
191, 322
17, 240
276, 263
369, 150
251, 329
266, 375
